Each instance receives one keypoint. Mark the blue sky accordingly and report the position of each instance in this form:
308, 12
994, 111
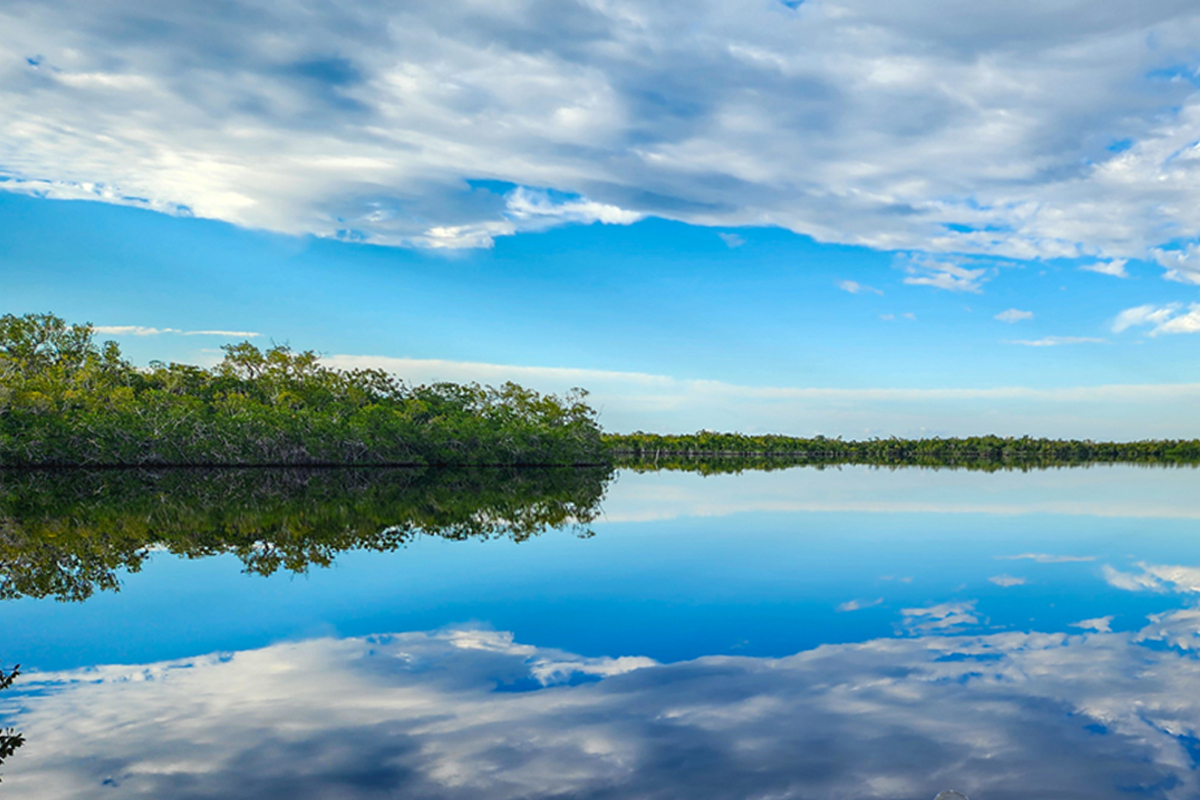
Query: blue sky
847, 218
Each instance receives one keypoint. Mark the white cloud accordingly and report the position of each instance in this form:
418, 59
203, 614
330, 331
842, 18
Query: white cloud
854, 287
1156, 578
1014, 315
1098, 624
1179, 628
140, 330
1007, 580
940, 618
1170, 318
133, 330
943, 274
1182, 264
732, 240
1115, 267
1055, 341
857, 605
1033, 131
1047, 558
524, 210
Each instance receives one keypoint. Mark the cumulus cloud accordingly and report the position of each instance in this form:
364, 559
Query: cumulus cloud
445, 716
1115, 267
1014, 315
1170, 318
1027, 130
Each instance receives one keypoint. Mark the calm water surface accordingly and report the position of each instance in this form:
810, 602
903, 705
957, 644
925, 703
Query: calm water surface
852, 633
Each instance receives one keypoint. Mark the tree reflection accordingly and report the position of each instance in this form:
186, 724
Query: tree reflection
10, 739
66, 534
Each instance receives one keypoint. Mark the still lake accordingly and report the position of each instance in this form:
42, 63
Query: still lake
811, 633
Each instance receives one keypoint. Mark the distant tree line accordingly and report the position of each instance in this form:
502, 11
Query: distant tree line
67, 400
707, 451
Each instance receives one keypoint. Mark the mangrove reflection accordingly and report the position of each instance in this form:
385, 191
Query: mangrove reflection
10, 739
66, 534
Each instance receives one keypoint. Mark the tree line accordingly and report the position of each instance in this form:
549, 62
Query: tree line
66, 399
708, 451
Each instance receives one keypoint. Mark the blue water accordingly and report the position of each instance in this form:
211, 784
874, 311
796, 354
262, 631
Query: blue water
852, 633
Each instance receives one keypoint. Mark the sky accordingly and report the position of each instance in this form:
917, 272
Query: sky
850, 218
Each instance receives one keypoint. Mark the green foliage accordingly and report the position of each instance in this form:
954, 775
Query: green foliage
707, 451
67, 533
64, 400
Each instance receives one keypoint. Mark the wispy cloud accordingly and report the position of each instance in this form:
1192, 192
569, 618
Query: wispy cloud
525, 209
1055, 341
1014, 315
1007, 580
854, 287
856, 605
943, 274
732, 240
133, 330
1115, 267
1046, 558
1169, 318
141, 330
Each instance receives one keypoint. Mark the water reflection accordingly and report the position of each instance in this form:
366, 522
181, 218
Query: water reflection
1113, 491
470, 713
67, 533
1002, 635
10, 739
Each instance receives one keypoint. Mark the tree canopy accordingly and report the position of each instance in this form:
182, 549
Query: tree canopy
67, 400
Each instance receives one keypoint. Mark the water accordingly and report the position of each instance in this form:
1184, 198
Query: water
801, 633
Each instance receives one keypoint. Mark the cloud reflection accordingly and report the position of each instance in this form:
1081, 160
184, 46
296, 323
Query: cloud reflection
470, 713
1155, 578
